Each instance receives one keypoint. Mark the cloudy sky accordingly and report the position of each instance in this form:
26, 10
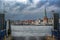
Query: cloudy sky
28, 9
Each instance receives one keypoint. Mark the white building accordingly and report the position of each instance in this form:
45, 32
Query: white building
50, 21
37, 22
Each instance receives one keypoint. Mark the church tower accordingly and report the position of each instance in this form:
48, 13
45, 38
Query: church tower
45, 19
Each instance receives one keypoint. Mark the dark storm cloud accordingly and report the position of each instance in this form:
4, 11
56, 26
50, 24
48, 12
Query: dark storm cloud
40, 3
54, 2
1, 6
30, 9
22, 6
31, 1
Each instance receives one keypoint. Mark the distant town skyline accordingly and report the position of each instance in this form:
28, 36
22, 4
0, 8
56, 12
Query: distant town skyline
28, 9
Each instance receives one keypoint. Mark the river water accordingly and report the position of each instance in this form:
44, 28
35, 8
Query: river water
30, 32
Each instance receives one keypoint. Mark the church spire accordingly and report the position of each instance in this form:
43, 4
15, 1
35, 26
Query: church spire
45, 20
45, 12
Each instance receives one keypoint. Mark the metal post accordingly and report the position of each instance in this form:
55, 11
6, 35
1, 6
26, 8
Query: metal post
56, 26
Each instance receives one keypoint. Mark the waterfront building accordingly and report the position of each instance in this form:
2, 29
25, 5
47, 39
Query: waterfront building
37, 22
50, 21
